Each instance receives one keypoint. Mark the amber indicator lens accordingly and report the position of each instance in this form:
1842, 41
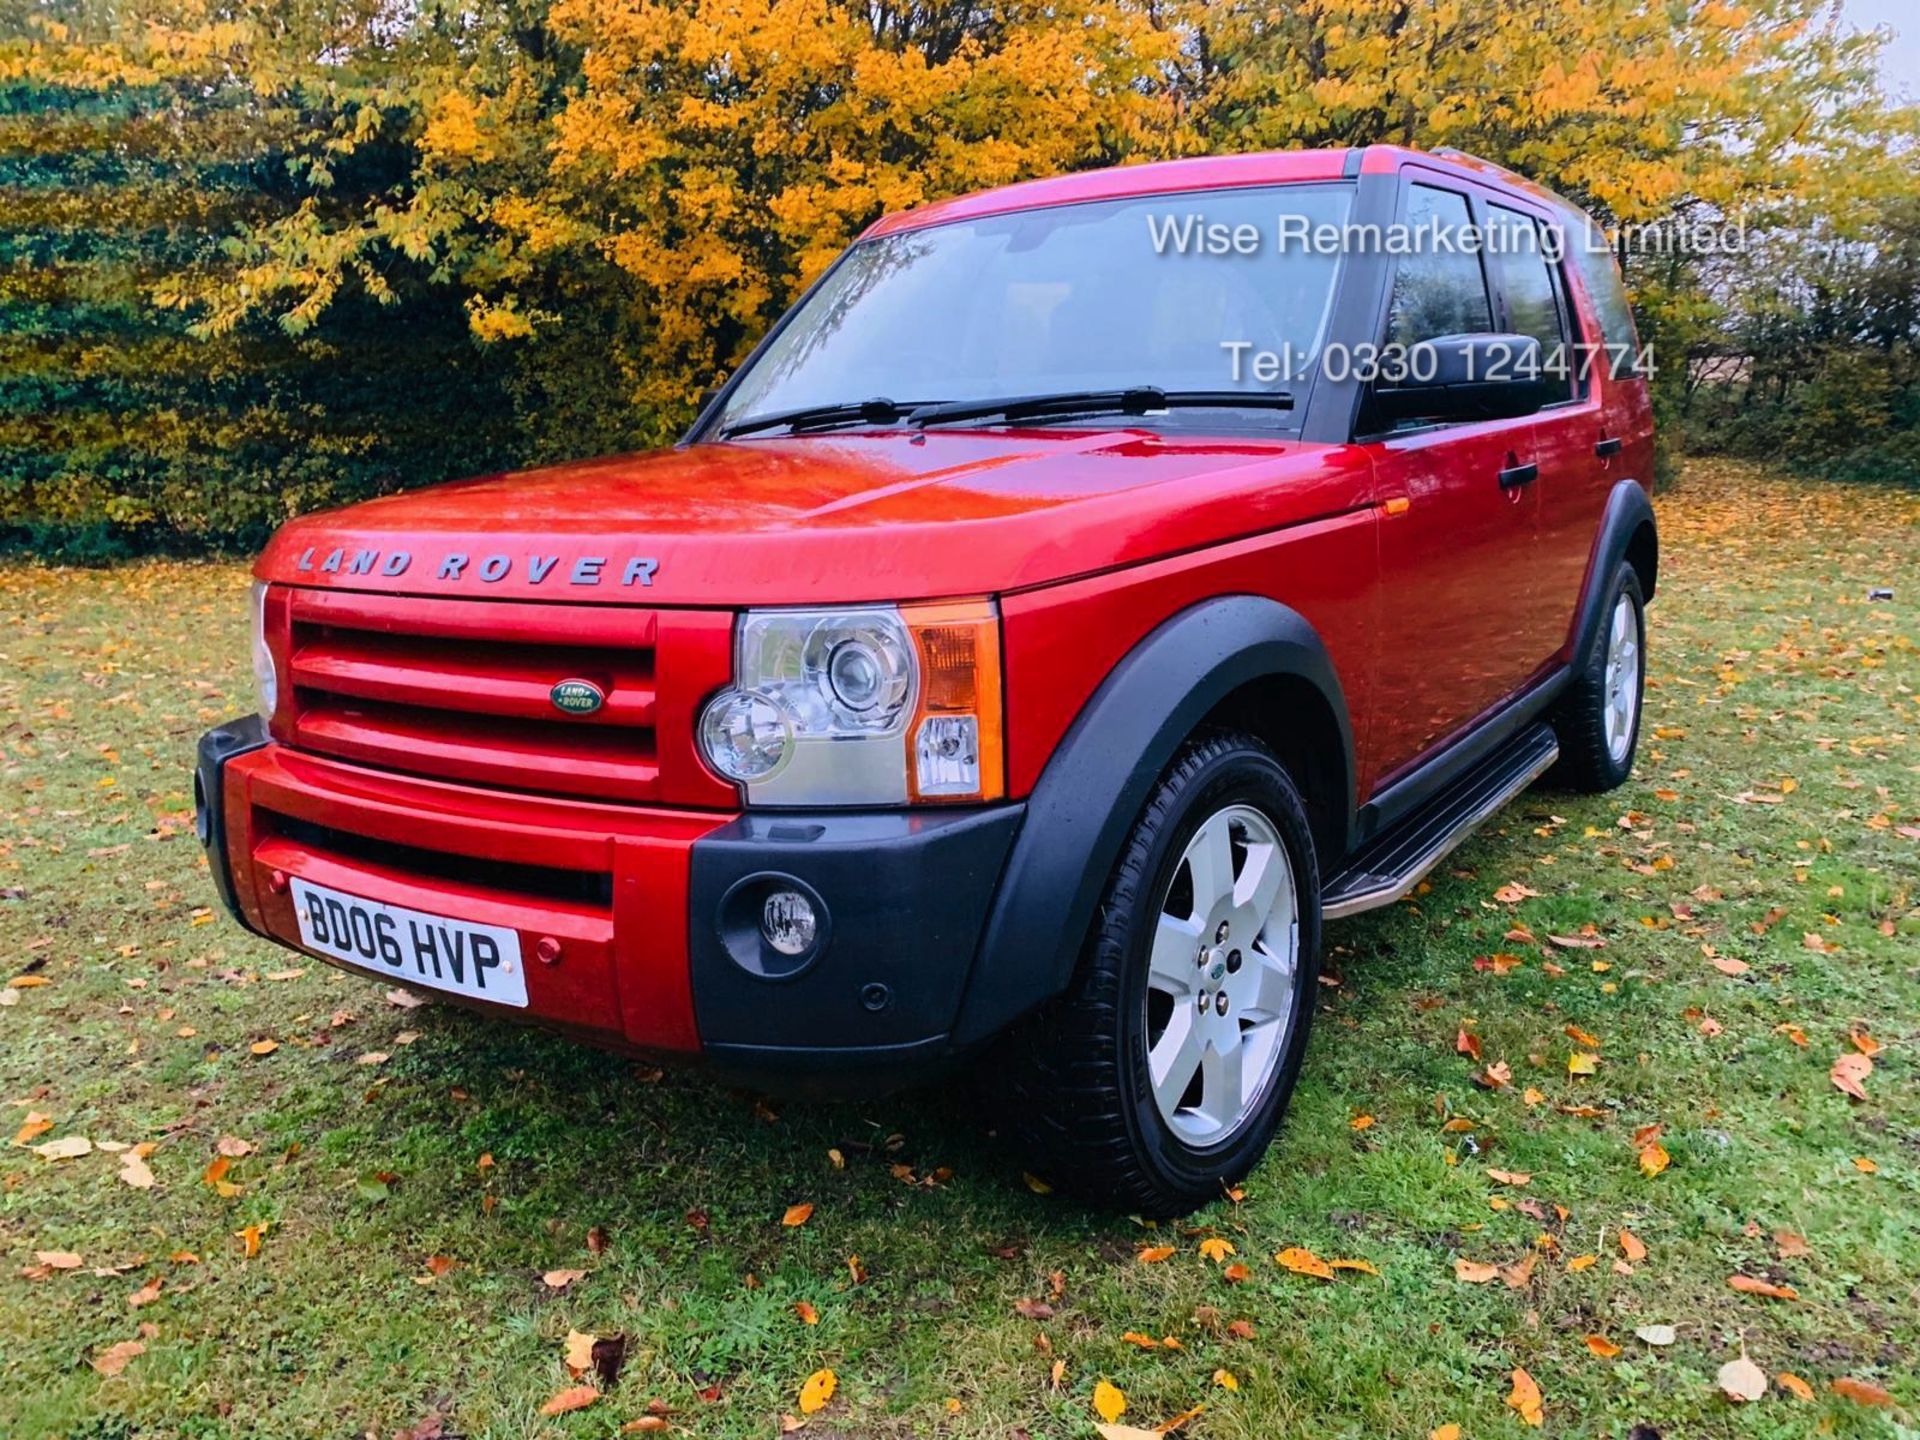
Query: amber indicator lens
954, 743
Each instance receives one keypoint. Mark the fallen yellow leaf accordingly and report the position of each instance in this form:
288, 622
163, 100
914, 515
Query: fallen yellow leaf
817, 1391
1216, 1249
1849, 1072
1154, 1254
1748, 1285
1303, 1262
1525, 1398
579, 1356
1109, 1402
35, 1125
577, 1397
1862, 1392
113, 1359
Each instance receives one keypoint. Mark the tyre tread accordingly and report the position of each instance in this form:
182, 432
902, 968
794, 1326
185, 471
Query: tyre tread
1579, 720
1057, 1080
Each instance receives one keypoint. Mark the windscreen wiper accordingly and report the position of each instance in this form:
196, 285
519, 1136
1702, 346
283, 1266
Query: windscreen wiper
1139, 400
877, 411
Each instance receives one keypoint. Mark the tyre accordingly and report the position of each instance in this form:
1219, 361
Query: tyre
1598, 719
1161, 1075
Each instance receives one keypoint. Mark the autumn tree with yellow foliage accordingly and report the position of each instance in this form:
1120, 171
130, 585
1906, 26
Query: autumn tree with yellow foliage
565, 220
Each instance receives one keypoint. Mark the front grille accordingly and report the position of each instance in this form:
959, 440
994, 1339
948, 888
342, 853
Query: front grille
462, 690
512, 880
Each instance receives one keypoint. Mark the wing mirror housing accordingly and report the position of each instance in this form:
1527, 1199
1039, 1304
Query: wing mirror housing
1467, 377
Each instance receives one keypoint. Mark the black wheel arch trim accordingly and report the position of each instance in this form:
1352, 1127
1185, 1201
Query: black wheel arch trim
1626, 524
1101, 775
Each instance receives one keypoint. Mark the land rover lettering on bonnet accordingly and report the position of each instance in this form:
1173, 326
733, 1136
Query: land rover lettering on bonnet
1009, 670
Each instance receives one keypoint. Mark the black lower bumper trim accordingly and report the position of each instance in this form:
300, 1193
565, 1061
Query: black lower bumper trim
901, 899
835, 1072
217, 747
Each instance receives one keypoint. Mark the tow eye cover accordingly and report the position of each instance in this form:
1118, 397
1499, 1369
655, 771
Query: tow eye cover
577, 697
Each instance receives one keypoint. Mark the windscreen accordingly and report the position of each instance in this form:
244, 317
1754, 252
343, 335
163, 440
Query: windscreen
1171, 291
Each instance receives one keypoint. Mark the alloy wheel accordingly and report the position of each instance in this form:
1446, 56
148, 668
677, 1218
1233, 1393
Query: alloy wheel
1622, 693
1220, 981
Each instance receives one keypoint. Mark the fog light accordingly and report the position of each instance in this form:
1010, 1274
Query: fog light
788, 922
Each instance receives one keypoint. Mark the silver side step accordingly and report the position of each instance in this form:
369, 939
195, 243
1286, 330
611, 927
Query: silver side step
1387, 867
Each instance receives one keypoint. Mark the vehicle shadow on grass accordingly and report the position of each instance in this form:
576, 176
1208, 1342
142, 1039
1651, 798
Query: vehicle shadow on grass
651, 1142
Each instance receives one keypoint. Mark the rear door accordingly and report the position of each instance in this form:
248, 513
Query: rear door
1527, 255
1458, 628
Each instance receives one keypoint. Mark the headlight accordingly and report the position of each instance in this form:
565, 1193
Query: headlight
266, 680
746, 735
870, 706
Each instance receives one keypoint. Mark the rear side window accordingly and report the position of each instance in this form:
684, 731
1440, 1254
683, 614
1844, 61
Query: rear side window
1536, 305
1439, 289
1593, 254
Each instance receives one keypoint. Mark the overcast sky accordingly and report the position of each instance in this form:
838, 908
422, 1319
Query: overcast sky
1900, 62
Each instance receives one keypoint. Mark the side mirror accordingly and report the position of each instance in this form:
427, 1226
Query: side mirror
1467, 377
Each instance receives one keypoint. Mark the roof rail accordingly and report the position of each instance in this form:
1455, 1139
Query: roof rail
1477, 162
1453, 152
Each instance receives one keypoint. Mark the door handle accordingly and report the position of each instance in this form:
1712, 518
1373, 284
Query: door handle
1607, 447
1515, 476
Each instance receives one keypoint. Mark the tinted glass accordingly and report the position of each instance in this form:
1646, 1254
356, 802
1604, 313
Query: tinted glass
1519, 250
1593, 255
1076, 297
1439, 290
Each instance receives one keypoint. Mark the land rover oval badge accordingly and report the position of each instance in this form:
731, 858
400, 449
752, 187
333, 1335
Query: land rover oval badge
577, 697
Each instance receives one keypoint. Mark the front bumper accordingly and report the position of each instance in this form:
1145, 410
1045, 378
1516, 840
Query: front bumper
653, 911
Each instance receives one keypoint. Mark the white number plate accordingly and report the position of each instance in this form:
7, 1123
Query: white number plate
478, 961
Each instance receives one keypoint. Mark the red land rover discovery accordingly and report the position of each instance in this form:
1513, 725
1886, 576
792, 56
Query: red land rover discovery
1087, 589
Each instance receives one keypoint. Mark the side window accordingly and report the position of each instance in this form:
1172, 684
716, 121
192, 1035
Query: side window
1521, 255
1594, 257
1438, 288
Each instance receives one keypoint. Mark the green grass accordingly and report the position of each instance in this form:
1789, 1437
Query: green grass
1769, 665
